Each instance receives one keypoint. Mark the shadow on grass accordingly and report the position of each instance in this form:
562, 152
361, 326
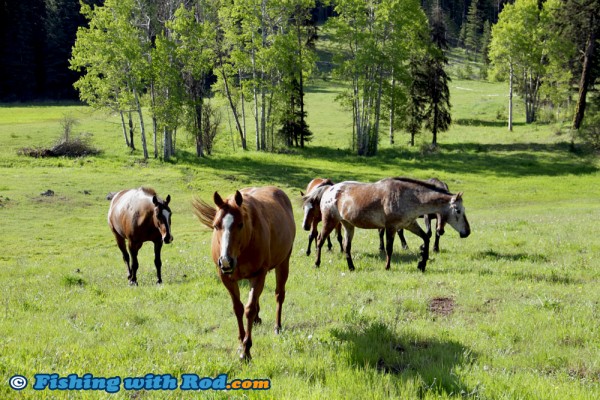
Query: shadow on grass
507, 160
480, 122
431, 360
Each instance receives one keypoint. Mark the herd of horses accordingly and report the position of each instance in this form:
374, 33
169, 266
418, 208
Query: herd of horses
254, 229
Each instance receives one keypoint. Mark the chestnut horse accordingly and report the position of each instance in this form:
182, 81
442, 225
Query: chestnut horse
390, 203
253, 233
426, 219
138, 216
311, 203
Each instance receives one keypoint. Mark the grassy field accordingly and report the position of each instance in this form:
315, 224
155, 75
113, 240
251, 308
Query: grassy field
512, 312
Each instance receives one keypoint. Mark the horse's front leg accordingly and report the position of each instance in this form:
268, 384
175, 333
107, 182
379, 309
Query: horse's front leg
257, 285
123, 247
328, 225
349, 234
381, 233
238, 307
390, 233
157, 260
134, 248
416, 229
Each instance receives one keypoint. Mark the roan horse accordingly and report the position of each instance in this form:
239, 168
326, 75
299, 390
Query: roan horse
426, 219
253, 233
311, 203
138, 216
390, 203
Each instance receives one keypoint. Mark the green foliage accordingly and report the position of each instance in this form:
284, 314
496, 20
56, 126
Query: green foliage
374, 40
524, 42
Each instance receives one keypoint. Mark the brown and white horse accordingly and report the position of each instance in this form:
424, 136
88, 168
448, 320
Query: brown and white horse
253, 233
392, 204
311, 203
138, 216
426, 219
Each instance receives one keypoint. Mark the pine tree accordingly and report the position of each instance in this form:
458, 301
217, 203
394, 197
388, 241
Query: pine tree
473, 28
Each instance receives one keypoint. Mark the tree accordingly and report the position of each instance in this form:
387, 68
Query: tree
473, 28
523, 46
579, 20
110, 53
374, 41
437, 115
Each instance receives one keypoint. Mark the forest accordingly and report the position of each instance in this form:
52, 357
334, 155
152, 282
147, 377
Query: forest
175, 57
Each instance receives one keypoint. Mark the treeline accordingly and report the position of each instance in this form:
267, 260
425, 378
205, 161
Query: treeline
175, 57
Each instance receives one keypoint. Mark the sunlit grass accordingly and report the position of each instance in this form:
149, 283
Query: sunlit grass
523, 320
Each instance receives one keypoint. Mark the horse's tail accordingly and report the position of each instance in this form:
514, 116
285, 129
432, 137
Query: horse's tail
204, 211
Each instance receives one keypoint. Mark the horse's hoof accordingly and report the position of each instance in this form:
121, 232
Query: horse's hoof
308, 252
404, 247
159, 282
133, 283
245, 357
277, 330
421, 267
257, 321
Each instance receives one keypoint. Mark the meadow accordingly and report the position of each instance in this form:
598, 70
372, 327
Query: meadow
511, 312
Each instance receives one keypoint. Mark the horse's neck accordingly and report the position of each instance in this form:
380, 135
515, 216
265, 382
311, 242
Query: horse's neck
432, 202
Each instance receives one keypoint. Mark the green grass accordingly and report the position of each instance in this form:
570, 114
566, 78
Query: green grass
523, 288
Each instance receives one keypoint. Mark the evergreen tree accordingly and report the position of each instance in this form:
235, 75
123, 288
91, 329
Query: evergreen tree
473, 28
437, 115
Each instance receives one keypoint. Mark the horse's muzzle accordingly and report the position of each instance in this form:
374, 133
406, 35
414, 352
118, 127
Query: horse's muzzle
465, 234
227, 265
168, 239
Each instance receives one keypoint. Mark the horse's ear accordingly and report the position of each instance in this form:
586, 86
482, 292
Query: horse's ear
218, 200
155, 200
457, 197
301, 194
168, 200
238, 198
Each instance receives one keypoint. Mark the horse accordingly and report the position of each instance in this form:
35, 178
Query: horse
312, 211
390, 203
253, 233
426, 219
138, 216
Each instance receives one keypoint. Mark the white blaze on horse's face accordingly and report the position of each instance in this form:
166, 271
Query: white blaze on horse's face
226, 262
308, 215
167, 237
457, 217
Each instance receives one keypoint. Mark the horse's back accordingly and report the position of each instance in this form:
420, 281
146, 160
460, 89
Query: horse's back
128, 208
318, 182
271, 209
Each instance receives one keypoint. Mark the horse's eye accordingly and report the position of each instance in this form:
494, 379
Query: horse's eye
241, 225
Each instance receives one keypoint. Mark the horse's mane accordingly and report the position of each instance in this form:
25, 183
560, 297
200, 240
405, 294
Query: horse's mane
204, 211
317, 192
422, 183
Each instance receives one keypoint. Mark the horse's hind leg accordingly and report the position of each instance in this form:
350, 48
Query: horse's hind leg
281, 276
349, 231
416, 229
381, 245
157, 260
402, 239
